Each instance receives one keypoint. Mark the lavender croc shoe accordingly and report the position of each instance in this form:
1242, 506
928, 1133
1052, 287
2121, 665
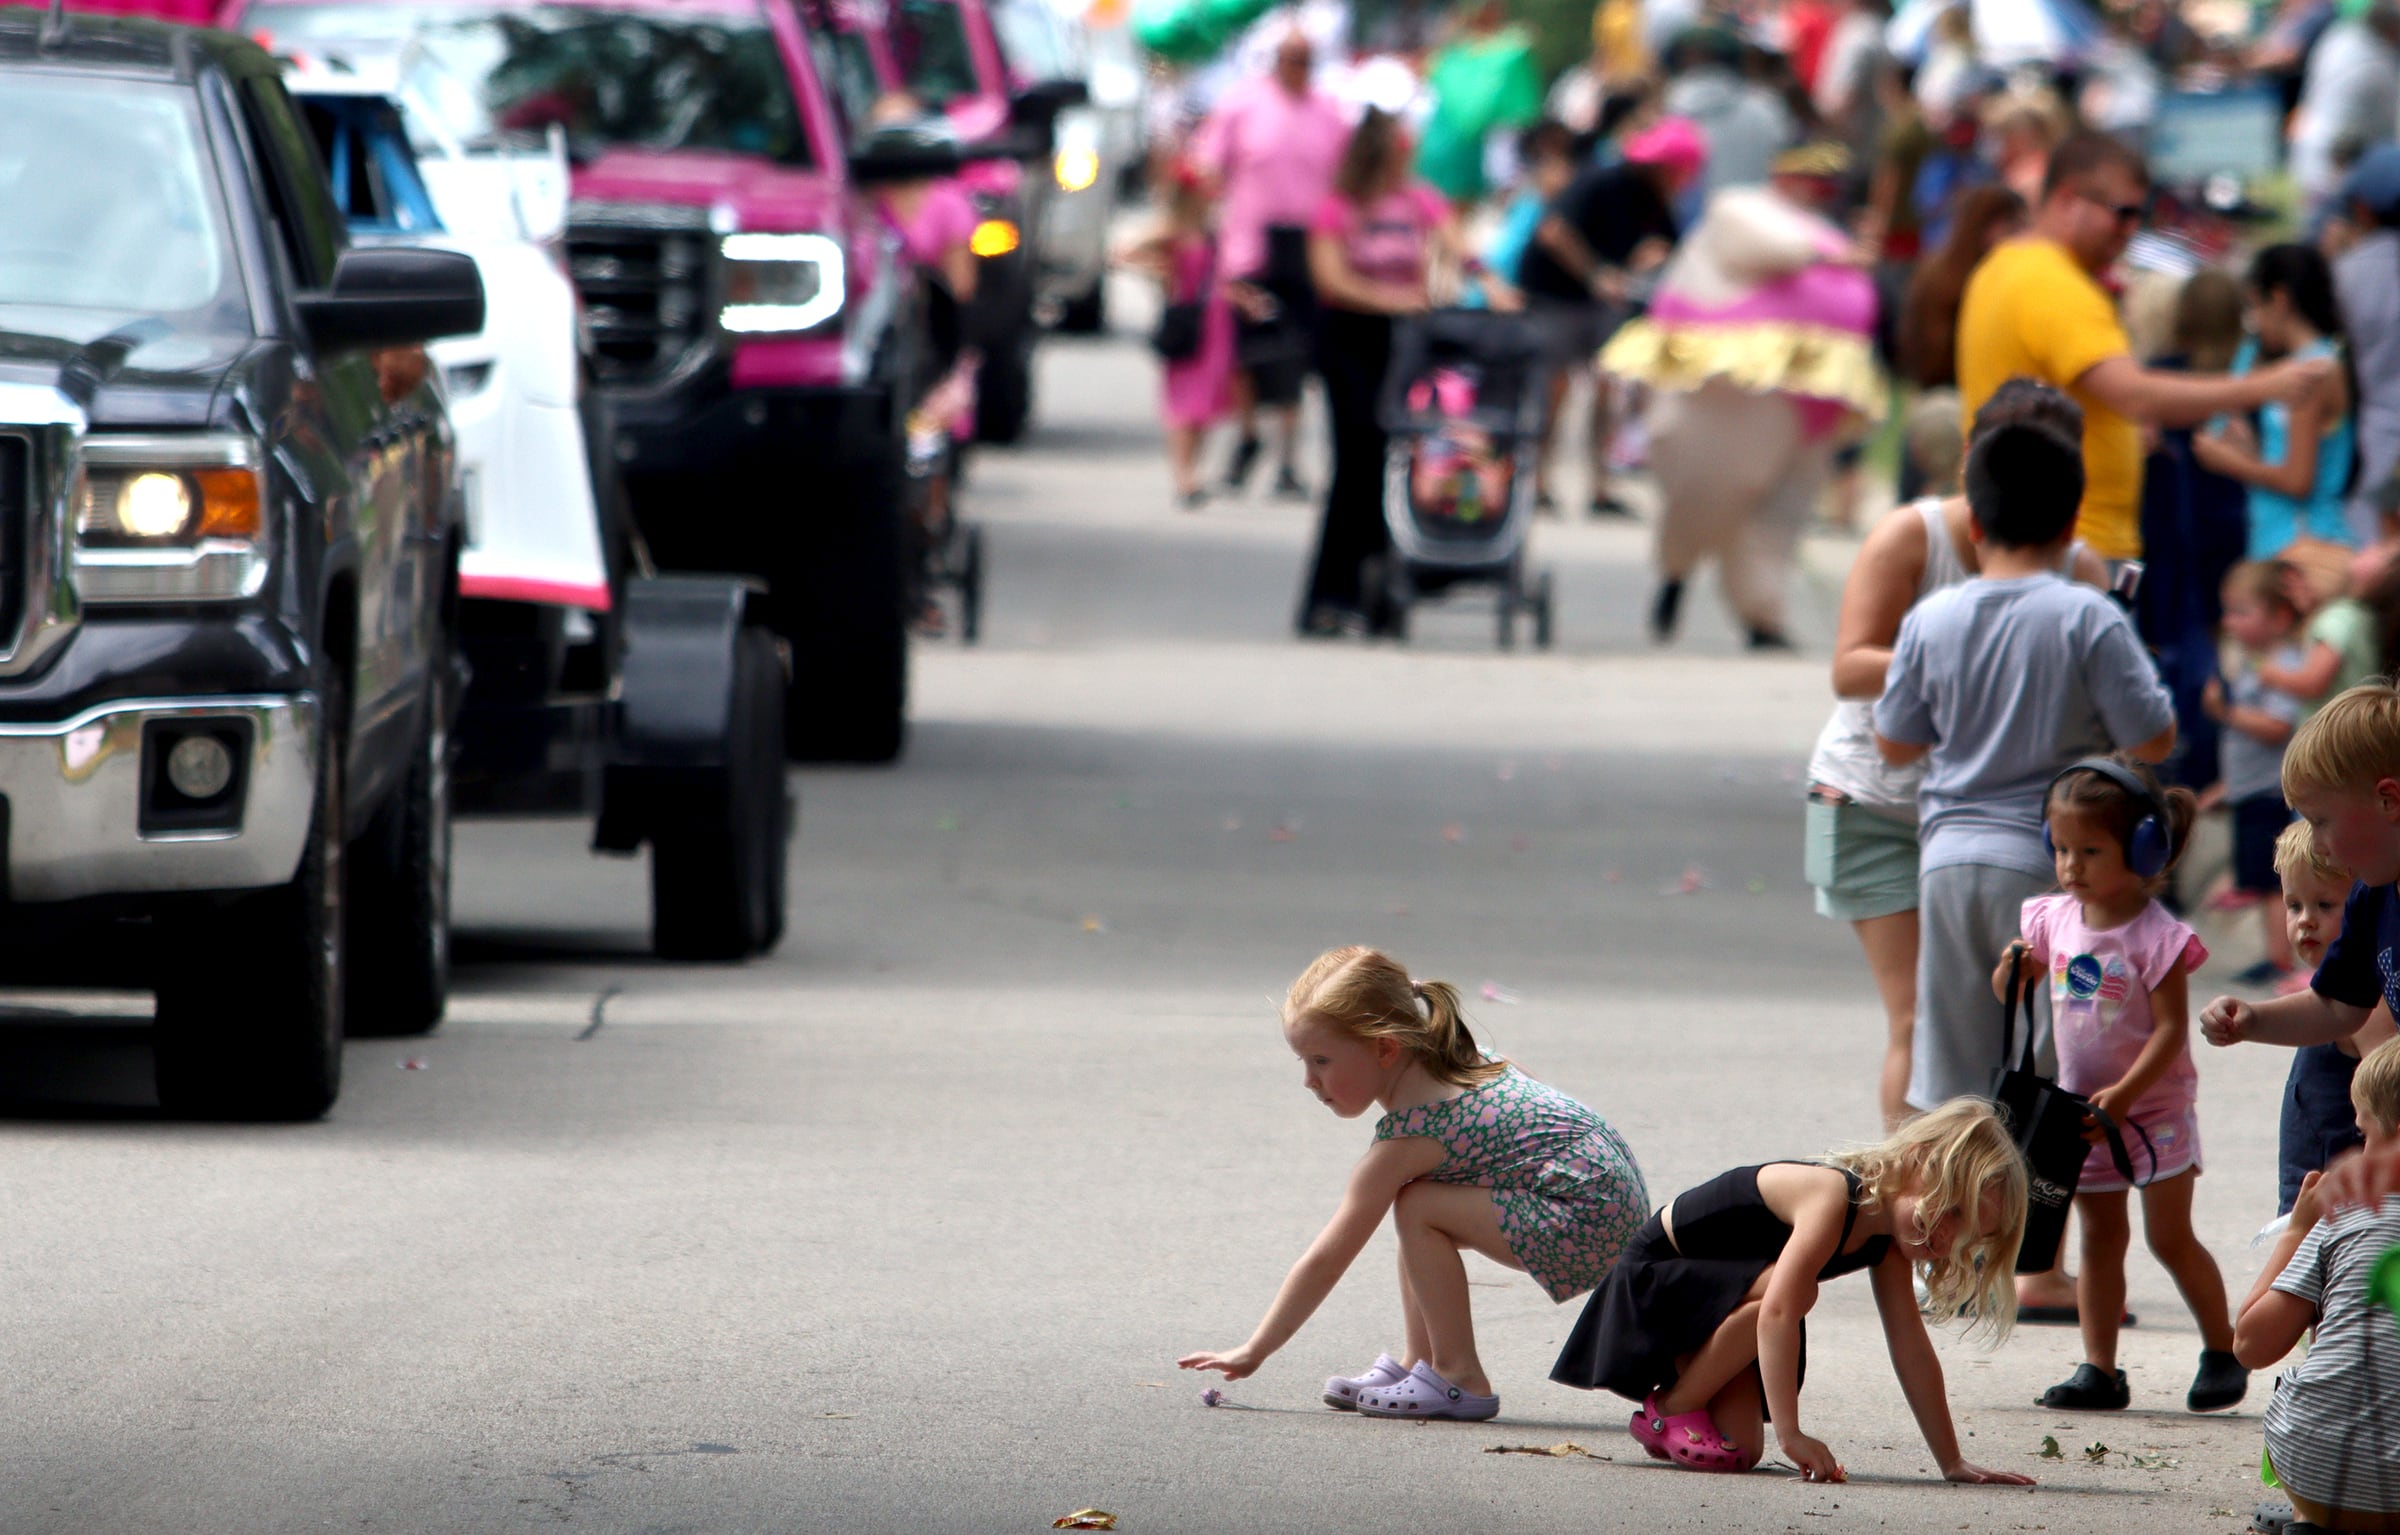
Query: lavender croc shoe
1342, 1391
1423, 1394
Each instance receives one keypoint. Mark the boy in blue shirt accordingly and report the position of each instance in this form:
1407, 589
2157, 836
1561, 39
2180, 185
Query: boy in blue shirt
2341, 775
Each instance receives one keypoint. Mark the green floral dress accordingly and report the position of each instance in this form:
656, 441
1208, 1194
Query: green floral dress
1570, 1196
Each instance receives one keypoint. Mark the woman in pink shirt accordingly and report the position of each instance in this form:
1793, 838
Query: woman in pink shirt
1371, 248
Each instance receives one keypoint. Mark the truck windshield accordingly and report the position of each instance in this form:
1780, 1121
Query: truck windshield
930, 39
112, 205
640, 79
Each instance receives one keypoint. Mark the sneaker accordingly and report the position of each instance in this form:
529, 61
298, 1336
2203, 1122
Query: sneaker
2221, 1382
1768, 639
1289, 486
1192, 500
1341, 1392
2087, 1390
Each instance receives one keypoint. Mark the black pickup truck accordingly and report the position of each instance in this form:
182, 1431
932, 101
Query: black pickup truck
229, 528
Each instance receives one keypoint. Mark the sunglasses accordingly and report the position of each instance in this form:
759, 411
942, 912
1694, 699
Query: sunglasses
2124, 213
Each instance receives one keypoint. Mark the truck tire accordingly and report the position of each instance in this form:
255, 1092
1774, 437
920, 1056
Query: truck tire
250, 1004
399, 889
717, 853
844, 608
1004, 388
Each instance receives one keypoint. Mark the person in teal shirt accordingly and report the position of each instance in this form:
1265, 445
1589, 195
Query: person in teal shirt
2299, 465
1483, 80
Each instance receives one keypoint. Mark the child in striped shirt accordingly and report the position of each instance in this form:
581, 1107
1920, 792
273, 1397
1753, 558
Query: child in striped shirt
2331, 1439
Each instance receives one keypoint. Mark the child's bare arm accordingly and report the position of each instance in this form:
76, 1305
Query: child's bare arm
2373, 1032
1377, 1180
1814, 1201
2019, 959
1920, 1373
2303, 1018
2270, 1322
2170, 1034
2311, 679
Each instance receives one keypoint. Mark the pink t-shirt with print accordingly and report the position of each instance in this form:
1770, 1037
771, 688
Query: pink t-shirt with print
1391, 239
2100, 985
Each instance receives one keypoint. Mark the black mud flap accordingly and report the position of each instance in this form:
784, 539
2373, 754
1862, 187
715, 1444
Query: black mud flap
675, 697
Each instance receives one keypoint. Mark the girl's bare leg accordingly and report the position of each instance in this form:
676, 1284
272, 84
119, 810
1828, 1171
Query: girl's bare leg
1890, 943
1730, 1350
1418, 1338
1740, 1412
1437, 1221
2167, 1222
2100, 1289
1183, 458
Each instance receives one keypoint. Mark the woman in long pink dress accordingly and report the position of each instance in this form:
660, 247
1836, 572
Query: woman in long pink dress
1195, 392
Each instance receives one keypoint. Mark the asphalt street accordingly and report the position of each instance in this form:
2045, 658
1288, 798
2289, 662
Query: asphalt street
904, 1227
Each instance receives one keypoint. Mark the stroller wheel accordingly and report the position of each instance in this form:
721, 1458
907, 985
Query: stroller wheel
1512, 597
1541, 612
970, 584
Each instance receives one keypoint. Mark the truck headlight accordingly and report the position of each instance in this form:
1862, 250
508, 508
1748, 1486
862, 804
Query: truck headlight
780, 284
1077, 166
169, 518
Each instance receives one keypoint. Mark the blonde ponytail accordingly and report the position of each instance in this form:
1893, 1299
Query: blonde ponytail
1368, 995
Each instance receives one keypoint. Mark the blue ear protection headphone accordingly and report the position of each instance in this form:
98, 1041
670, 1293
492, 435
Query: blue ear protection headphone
2152, 845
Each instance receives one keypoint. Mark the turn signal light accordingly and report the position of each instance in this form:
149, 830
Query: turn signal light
993, 237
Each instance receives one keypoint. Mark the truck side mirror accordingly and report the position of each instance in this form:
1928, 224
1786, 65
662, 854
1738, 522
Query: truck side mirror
394, 295
1033, 113
904, 153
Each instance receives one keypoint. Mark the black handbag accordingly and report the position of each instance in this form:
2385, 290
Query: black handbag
2047, 1123
1177, 335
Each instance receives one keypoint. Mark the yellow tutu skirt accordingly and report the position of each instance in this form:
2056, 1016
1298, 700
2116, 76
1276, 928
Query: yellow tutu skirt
1762, 357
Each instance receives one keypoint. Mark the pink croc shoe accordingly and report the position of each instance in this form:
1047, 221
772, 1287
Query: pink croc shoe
1423, 1394
1688, 1438
1341, 1392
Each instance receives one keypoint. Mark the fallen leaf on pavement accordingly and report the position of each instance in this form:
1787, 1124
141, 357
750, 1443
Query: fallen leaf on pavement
1555, 1451
2050, 1449
1212, 1397
1085, 1519
2095, 1452
2153, 1460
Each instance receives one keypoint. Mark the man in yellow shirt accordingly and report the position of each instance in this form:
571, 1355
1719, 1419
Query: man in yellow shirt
2035, 308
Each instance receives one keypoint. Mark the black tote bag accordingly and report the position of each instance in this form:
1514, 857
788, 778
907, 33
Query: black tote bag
2047, 1122
1177, 336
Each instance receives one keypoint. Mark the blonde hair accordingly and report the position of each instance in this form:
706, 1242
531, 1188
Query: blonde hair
2296, 855
1950, 1158
1368, 995
2375, 1090
2353, 742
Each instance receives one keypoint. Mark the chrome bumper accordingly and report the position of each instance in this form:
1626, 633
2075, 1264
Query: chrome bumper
74, 789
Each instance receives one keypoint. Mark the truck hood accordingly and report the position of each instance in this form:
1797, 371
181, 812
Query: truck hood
757, 194
123, 371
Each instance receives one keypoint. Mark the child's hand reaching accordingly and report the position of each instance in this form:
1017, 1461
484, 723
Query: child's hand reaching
2227, 1021
2018, 961
2113, 1101
1815, 1461
2307, 1207
1236, 1365
1967, 1471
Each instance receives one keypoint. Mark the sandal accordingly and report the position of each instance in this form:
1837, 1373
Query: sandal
1688, 1438
1341, 1392
1423, 1394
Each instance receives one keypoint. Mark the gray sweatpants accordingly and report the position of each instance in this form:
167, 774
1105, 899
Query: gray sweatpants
1967, 914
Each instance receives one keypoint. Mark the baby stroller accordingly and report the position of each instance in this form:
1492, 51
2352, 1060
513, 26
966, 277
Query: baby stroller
1462, 407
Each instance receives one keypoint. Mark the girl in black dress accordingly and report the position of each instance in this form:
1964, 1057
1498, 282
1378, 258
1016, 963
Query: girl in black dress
1703, 1318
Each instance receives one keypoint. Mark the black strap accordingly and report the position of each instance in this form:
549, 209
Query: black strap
2020, 994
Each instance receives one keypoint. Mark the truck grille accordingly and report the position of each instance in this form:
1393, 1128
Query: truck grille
643, 276
16, 516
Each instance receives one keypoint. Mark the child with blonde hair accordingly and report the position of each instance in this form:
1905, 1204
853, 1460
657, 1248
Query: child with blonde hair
1703, 1320
2116, 961
2330, 1441
1470, 1153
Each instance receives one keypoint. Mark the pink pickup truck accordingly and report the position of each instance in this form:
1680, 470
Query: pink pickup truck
752, 337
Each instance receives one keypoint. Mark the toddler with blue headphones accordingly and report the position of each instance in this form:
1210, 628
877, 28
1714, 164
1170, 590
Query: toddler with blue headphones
2120, 1012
